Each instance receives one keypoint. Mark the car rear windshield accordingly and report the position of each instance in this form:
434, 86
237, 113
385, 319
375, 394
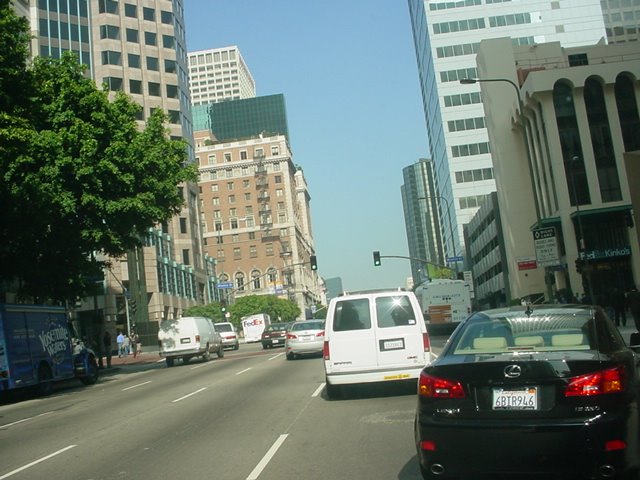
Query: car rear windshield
223, 327
277, 327
296, 327
547, 330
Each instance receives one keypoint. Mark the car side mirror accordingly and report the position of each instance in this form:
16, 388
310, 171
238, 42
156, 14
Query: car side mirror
634, 341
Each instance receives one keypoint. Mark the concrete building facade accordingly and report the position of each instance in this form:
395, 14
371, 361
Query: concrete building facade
565, 172
447, 36
256, 218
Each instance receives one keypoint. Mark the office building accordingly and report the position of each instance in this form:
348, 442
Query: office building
566, 193
256, 218
446, 38
138, 47
420, 202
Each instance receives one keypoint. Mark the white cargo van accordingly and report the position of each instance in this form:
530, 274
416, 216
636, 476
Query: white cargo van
374, 337
188, 337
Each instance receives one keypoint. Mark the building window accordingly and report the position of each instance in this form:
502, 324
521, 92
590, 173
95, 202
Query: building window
132, 35
243, 155
462, 99
466, 124
455, 75
239, 276
236, 253
457, 50
247, 196
113, 83
508, 20
627, 112
168, 41
229, 185
110, 57
232, 199
235, 238
133, 60
135, 86
109, 31
278, 179
174, 116
166, 17
252, 235
234, 224
227, 157
279, 192
255, 275
149, 14
153, 64
172, 91
130, 11
215, 201
275, 150
578, 60
470, 149
106, 6
229, 174
170, 66
154, 89
214, 187
150, 38
459, 26
185, 257
269, 249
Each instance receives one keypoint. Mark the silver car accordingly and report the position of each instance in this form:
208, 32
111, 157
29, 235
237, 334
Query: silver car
304, 337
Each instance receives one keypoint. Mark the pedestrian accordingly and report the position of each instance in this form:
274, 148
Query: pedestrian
135, 339
126, 345
633, 300
120, 342
106, 345
619, 303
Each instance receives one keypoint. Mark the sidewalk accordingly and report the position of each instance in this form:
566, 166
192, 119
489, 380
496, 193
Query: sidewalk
143, 361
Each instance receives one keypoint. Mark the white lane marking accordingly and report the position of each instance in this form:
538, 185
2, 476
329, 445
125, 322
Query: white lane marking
267, 457
29, 465
24, 420
276, 356
318, 390
161, 360
202, 365
136, 386
188, 395
243, 371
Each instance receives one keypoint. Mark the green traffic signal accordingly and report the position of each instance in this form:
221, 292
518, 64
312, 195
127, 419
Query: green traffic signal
314, 262
376, 259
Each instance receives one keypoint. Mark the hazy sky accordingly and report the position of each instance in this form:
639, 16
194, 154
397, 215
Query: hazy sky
347, 69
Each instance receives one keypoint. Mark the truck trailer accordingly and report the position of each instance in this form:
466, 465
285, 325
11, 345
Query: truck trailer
37, 348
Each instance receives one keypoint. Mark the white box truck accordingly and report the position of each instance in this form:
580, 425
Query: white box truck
253, 326
445, 303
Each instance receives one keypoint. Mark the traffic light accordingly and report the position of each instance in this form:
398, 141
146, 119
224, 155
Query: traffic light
223, 305
376, 259
132, 306
314, 262
579, 265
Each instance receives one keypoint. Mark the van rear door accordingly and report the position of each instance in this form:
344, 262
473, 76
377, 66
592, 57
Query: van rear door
399, 338
352, 340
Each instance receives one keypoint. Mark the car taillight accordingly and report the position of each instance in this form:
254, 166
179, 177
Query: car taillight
426, 343
434, 387
325, 350
611, 380
291, 336
197, 338
320, 334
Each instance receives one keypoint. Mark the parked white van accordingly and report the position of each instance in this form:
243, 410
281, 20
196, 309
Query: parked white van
188, 337
374, 336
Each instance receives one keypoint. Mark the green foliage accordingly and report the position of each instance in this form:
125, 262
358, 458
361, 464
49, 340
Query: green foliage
77, 175
279, 309
212, 311
321, 312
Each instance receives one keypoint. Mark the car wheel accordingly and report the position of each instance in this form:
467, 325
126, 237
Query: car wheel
333, 391
169, 361
291, 356
236, 346
220, 352
206, 355
264, 346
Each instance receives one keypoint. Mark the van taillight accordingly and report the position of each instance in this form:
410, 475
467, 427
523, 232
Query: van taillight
426, 343
611, 380
197, 338
325, 350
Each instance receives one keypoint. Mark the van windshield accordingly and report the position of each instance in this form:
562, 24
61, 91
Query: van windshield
394, 311
352, 315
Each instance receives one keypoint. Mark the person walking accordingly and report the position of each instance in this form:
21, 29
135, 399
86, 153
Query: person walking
120, 342
106, 345
135, 340
619, 303
633, 300
126, 345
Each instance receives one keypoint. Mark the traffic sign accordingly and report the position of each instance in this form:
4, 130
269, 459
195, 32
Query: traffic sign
225, 285
546, 244
457, 258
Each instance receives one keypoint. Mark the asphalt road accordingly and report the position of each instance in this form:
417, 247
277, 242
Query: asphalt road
251, 415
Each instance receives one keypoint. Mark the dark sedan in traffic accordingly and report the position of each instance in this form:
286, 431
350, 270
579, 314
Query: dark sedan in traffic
542, 391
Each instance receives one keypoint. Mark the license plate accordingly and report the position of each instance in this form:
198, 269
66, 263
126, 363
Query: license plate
185, 340
392, 344
275, 341
515, 399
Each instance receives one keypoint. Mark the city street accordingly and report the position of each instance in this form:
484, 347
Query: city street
249, 415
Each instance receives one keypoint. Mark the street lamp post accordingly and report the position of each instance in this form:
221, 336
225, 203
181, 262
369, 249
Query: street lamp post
586, 269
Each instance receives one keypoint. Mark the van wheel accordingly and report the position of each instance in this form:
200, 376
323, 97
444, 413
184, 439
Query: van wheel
185, 360
220, 352
91, 376
333, 391
169, 361
206, 355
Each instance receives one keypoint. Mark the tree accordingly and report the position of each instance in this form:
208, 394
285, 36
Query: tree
212, 310
78, 176
279, 309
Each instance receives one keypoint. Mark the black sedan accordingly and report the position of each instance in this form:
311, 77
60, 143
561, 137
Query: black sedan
274, 335
546, 391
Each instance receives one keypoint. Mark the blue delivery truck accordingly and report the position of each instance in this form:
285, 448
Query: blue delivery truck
37, 348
